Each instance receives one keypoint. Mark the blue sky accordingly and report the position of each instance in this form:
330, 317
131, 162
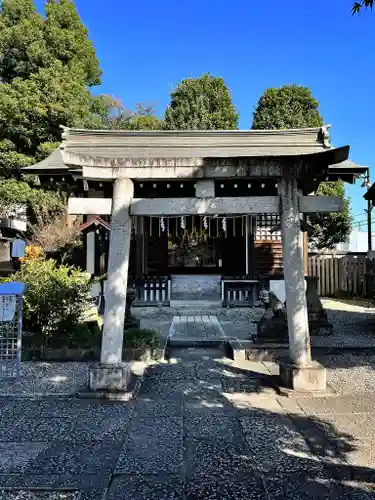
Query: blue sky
146, 47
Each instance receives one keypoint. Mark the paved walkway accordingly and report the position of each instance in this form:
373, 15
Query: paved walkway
203, 327
201, 428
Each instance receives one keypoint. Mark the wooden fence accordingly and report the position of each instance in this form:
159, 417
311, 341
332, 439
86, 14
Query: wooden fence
342, 274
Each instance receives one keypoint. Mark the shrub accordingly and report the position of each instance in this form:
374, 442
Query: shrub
55, 235
32, 252
137, 338
55, 302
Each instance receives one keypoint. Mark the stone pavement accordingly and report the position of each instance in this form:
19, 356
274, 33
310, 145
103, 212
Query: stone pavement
202, 327
353, 324
200, 428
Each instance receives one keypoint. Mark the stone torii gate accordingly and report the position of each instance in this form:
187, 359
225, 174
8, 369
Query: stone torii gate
298, 160
300, 373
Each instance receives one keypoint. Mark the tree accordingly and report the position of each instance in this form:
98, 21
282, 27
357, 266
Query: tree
107, 112
331, 229
290, 106
201, 104
23, 48
42, 204
67, 40
358, 6
293, 106
47, 65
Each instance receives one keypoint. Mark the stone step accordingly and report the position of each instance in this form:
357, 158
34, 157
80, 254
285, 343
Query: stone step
215, 343
196, 304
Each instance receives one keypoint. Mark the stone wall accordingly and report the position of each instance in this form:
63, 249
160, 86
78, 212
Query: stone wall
196, 287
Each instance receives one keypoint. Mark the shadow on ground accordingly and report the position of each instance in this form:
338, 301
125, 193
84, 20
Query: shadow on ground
236, 439
200, 428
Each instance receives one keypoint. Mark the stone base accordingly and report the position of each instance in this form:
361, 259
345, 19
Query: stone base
310, 378
110, 378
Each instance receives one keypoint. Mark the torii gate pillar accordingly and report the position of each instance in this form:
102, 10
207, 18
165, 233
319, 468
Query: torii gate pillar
299, 372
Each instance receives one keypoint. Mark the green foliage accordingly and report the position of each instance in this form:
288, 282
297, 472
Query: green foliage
67, 40
32, 110
46, 205
46, 65
331, 229
287, 107
55, 303
137, 338
358, 6
13, 192
109, 113
42, 204
23, 48
45, 149
293, 106
10, 160
145, 123
201, 104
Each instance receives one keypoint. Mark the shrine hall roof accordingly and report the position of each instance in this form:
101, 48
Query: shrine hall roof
109, 147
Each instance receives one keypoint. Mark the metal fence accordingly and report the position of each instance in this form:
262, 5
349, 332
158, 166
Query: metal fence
10, 329
239, 291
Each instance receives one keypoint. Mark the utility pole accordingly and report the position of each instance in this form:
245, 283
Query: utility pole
369, 210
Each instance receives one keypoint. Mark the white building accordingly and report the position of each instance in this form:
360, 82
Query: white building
357, 242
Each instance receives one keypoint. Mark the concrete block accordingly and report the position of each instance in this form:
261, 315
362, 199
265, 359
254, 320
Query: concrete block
309, 378
110, 378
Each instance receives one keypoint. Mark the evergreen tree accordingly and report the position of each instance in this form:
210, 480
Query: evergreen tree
201, 104
293, 106
23, 49
68, 42
46, 67
287, 107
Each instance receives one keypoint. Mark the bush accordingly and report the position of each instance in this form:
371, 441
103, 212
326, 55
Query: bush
55, 303
137, 338
32, 252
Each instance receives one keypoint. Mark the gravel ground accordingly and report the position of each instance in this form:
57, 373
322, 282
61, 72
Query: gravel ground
39, 495
350, 373
41, 378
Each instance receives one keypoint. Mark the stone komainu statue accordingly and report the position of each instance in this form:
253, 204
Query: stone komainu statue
273, 325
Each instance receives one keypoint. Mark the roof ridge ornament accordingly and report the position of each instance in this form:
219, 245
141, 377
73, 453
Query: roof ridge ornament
324, 135
65, 132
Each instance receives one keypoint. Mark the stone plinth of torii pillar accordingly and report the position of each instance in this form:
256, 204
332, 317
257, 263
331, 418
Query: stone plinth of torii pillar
298, 372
